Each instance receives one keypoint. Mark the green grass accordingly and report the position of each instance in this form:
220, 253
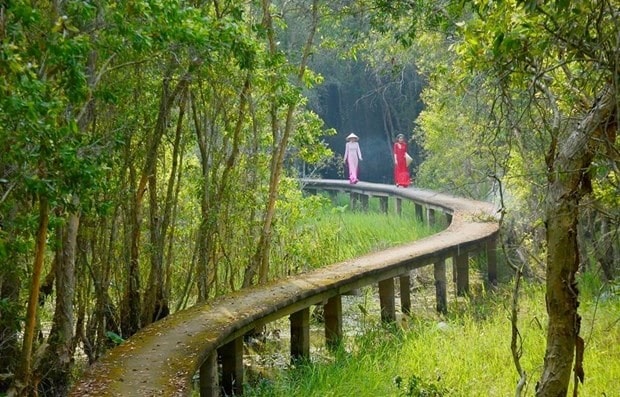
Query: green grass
468, 355
338, 233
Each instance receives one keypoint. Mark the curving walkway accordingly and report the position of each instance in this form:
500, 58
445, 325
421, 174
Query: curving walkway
164, 358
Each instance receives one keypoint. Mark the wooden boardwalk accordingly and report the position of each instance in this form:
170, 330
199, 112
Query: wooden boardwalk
165, 358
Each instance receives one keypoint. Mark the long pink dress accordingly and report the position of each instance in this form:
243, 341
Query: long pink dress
352, 156
401, 170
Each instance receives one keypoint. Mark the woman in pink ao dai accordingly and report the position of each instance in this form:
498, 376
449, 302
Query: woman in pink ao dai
352, 157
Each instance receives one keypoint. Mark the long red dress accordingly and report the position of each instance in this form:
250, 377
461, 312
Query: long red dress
401, 170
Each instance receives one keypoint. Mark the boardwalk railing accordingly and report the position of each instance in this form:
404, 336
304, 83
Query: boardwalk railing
164, 358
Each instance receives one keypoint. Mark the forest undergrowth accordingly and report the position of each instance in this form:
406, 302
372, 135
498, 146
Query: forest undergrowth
464, 353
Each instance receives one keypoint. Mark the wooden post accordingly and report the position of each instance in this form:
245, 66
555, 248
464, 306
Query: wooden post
430, 216
355, 201
419, 212
364, 201
454, 269
492, 260
386, 298
332, 311
405, 295
383, 204
332, 195
462, 274
399, 206
441, 294
300, 335
209, 385
232, 367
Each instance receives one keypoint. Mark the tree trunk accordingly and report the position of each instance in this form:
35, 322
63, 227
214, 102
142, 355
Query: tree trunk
214, 189
130, 305
604, 247
132, 313
568, 182
22, 383
156, 296
54, 369
259, 263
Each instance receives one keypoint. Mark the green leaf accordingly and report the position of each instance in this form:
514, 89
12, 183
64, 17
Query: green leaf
114, 337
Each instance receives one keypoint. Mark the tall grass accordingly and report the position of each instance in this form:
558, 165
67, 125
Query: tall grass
461, 355
466, 353
337, 233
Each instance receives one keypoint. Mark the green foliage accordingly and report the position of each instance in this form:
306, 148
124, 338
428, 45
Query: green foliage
314, 225
42, 89
459, 157
115, 338
606, 186
82, 89
82, 85
464, 354
10, 319
508, 82
418, 387
308, 138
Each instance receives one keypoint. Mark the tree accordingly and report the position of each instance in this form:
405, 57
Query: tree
547, 75
44, 95
280, 134
127, 130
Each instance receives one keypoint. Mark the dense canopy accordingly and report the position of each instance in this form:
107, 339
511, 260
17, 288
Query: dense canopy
149, 151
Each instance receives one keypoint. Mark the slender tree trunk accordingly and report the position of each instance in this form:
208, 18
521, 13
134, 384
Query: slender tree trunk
103, 315
153, 289
170, 252
207, 217
568, 182
214, 193
604, 246
156, 297
22, 384
259, 263
55, 366
132, 304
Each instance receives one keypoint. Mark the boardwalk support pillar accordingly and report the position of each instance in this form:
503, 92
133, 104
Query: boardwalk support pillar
492, 261
462, 274
383, 204
232, 367
364, 202
430, 216
386, 298
405, 295
419, 212
441, 294
300, 335
209, 377
332, 311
